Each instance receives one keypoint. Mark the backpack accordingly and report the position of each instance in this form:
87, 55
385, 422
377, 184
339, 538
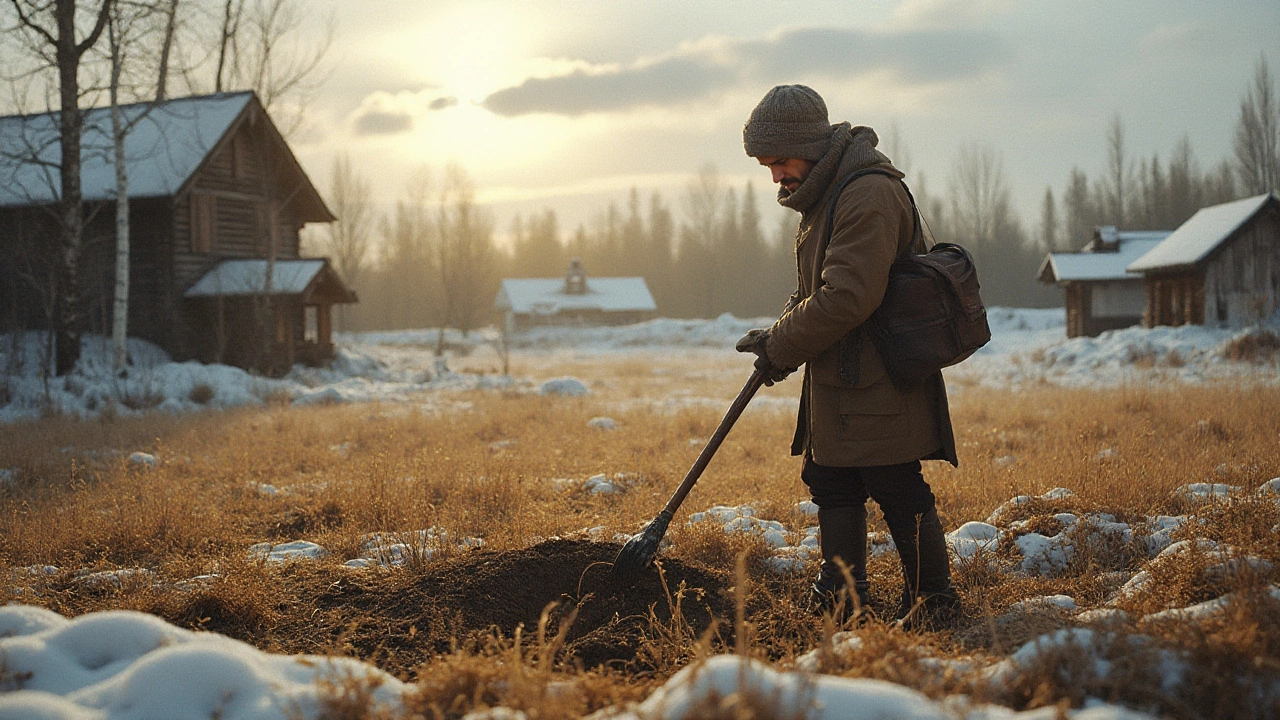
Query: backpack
931, 316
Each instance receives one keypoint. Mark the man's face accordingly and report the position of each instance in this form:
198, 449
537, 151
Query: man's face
787, 172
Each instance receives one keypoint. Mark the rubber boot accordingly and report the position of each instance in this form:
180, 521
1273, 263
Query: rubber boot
928, 597
844, 538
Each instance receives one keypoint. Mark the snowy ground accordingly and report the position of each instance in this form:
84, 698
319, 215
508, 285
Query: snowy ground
1027, 346
122, 665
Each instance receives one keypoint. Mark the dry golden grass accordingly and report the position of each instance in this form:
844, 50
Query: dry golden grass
487, 471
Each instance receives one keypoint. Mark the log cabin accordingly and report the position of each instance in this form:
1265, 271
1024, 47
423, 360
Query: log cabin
1101, 294
1220, 269
574, 299
217, 201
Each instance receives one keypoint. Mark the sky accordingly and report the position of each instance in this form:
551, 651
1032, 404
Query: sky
569, 104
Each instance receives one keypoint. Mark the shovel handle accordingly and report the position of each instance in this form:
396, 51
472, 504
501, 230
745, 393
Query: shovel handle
730, 417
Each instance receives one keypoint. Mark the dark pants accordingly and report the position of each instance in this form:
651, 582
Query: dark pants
899, 490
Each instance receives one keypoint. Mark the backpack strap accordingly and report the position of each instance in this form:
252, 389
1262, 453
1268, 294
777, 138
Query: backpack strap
831, 209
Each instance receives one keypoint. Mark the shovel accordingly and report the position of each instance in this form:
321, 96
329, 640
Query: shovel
638, 552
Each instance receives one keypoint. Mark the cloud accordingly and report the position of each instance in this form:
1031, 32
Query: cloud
383, 123
704, 70
671, 81
385, 113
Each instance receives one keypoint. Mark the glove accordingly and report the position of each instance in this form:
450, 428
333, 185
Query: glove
753, 341
772, 373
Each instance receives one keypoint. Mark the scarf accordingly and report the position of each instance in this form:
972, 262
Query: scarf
852, 148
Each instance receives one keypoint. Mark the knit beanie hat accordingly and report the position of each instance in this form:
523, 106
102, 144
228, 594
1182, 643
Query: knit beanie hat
790, 122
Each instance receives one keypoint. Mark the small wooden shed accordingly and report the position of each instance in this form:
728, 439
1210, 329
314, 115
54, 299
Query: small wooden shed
1100, 292
217, 200
1221, 268
574, 299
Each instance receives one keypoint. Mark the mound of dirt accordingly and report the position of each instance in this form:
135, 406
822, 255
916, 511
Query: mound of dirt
399, 620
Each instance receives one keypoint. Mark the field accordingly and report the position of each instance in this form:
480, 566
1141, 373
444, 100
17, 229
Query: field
462, 544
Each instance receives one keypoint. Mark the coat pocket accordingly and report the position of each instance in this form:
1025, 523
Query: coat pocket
874, 412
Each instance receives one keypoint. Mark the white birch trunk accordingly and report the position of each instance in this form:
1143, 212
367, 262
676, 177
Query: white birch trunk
120, 308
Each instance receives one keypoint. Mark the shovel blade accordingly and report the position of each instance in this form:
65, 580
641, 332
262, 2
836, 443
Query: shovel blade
639, 551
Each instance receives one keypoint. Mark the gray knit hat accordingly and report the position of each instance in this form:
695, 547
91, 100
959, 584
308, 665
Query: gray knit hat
790, 122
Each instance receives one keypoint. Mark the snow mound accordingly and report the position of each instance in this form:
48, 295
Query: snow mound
296, 550
564, 387
822, 697
121, 665
972, 538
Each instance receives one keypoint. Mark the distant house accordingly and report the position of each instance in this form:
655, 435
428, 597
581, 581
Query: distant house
216, 202
1221, 268
574, 300
1101, 294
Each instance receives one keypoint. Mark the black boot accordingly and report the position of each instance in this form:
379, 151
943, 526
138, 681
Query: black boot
928, 597
844, 539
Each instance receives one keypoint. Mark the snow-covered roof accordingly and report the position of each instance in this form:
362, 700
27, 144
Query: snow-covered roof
1094, 266
547, 296
1201, 235
165, 146
249, 277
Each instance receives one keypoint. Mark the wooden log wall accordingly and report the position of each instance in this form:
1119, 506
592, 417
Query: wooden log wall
1242, 280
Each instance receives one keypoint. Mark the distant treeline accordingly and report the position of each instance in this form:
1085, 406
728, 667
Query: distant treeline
437, 263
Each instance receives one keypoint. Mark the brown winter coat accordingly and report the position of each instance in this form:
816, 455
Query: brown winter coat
850, 414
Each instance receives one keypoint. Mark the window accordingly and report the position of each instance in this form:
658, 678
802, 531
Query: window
311, 324
204, 223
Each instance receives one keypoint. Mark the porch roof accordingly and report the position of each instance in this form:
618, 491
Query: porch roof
1097, 266
313, 279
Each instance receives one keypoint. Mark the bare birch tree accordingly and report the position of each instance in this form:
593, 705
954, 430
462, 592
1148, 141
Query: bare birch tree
166, 49
1049, 222
262, 47
464, 254
52, 34
125, 31
347, 240
1257, 139
699, 237
1119, 171
120, 302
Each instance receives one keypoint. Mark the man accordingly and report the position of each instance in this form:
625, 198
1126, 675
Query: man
860, 436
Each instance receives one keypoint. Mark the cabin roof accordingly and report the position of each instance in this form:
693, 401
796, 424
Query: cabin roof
166, 145
164, 148
1198, 237
547, 296
1096, 266
231, 278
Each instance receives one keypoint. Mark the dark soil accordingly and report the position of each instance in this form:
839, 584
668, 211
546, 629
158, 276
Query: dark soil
399, 620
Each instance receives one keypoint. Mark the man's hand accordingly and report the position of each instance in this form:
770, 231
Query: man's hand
753, 341
756, 341
772, 373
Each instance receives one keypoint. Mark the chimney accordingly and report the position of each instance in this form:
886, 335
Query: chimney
575, 279
1106, 238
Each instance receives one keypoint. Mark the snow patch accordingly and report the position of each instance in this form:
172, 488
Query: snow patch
972, 538
603, 423
564, 387
296, 550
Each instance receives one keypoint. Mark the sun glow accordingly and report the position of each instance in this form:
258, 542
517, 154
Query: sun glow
471, 49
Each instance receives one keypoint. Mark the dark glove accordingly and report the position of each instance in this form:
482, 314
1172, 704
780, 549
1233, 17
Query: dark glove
753, 341
772, 373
